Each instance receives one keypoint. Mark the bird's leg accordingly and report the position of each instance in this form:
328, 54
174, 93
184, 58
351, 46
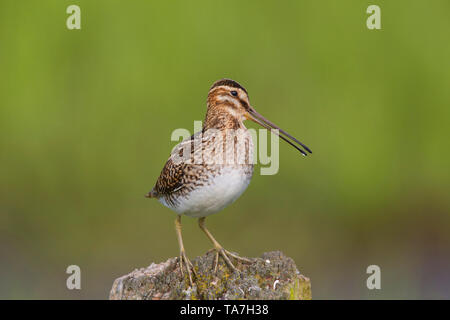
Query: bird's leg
219, 249
183, 258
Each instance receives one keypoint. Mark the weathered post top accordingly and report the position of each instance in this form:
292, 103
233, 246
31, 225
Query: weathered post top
272, 276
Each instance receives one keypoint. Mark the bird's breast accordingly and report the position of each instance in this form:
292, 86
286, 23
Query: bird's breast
222, 175
216, 192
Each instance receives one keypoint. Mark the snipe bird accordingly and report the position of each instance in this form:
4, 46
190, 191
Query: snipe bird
209, 171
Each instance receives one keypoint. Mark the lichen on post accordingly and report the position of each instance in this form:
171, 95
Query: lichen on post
272, 276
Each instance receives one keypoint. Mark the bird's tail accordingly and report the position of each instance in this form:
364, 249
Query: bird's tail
151, 194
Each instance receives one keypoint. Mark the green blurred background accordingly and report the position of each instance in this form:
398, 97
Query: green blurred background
86, 117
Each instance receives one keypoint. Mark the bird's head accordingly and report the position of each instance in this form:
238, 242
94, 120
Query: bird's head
227, 100
229, 97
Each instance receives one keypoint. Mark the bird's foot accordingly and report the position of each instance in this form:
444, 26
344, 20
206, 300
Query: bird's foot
225, 254
188, 264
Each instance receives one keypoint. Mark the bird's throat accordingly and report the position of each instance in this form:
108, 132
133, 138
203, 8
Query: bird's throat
221, 118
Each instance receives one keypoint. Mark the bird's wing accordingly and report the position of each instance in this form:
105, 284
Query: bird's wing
170, 180
172, 177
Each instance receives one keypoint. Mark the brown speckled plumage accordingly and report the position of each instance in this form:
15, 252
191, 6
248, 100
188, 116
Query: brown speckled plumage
179, 179
212, 168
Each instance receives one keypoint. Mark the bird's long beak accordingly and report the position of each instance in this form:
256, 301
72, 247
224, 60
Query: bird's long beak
259, 119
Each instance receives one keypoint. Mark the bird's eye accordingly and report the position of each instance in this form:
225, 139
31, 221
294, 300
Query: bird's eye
234, 93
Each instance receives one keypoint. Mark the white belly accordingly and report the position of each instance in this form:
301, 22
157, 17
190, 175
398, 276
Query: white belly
220, 191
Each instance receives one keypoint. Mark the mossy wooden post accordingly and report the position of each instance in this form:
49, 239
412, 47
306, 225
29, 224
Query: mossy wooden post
272, 276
